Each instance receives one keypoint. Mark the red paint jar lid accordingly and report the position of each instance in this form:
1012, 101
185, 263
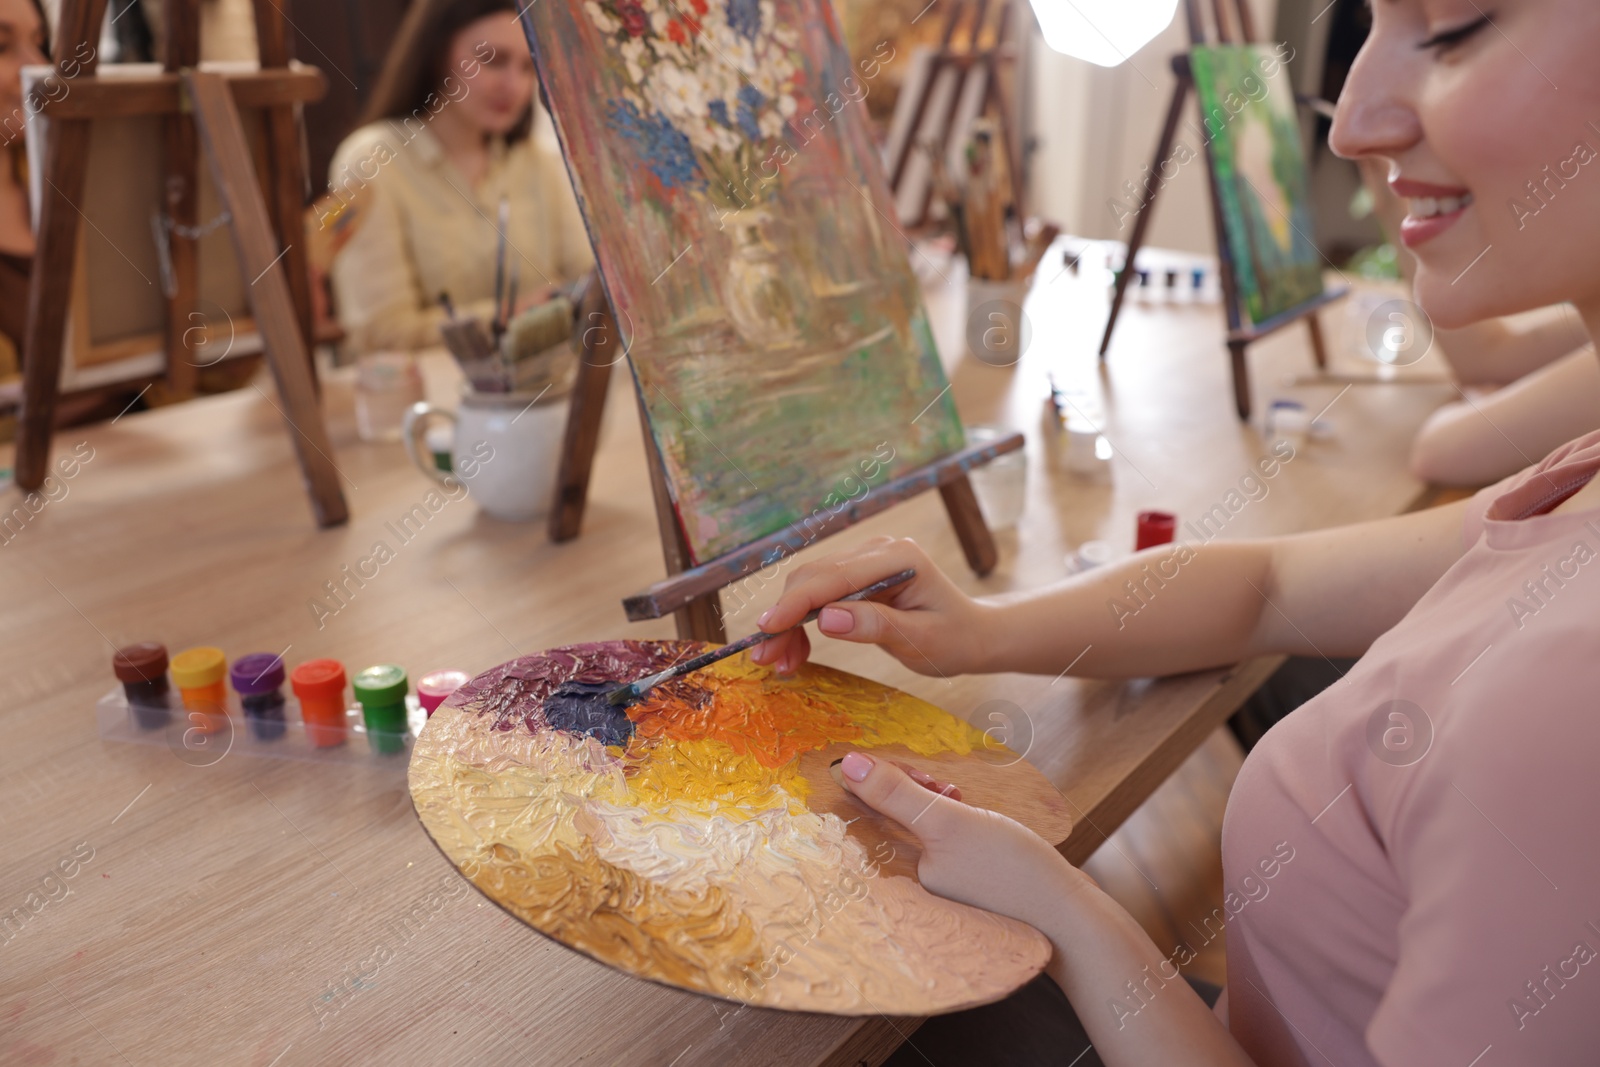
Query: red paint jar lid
143, 662
318, 678
1155, 528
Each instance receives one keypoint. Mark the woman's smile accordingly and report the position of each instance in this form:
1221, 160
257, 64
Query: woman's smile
1431, 209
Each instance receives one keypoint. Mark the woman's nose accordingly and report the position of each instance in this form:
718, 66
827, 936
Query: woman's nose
1374, 115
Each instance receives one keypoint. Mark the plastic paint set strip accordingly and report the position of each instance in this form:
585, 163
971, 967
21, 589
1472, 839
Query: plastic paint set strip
204, 719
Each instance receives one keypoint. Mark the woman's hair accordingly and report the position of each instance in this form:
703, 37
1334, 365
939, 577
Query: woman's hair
416, 65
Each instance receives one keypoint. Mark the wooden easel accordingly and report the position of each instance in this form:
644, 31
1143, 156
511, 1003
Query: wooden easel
1235, 26
962, 59
266, 228
691, 592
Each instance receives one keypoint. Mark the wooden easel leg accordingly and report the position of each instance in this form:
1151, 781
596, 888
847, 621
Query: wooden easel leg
945, 131
66, 151
1319, 347
701, 620
223, 135
977, 541
285, 190
1141, 222
182, 195
598, 342
1241, 378
66, 159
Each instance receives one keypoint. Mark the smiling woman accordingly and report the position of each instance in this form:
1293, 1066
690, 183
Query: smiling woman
1438, 800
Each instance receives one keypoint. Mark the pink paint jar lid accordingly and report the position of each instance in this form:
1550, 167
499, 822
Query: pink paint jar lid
434, 686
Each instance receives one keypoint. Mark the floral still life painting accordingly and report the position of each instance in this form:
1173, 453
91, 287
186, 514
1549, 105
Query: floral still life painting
699, 838
721, 155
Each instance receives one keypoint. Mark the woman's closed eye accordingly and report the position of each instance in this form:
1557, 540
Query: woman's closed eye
1445, 40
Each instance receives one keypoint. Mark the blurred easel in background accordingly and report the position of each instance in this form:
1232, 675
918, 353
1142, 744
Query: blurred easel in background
1231, 26
947, 90
264, 214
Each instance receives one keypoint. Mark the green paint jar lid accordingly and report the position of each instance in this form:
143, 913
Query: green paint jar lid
383, 684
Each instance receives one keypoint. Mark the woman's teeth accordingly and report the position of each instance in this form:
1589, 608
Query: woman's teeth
1425, 207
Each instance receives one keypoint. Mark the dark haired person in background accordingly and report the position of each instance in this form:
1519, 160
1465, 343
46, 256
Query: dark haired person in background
414, 195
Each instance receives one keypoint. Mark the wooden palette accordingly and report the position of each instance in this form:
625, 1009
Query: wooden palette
708, 847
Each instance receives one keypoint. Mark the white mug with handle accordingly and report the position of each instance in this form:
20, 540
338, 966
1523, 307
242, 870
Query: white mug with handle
506, 450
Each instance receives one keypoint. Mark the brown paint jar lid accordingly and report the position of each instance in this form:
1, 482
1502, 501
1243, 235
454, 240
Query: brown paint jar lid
143, 662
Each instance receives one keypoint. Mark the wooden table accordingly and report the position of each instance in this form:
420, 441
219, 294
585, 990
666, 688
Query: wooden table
275, 913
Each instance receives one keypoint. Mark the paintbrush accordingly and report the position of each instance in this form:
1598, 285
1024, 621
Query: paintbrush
633, 691
511, 296
500, 264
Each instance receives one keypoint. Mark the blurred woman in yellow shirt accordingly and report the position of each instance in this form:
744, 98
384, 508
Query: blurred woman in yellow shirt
415, 194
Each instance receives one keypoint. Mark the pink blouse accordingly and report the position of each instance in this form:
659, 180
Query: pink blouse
1438, 805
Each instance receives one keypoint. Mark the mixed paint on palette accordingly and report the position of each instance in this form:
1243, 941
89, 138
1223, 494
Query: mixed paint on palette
741, 222
683, 839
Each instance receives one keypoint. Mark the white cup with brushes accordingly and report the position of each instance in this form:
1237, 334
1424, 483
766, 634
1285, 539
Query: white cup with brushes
511, 419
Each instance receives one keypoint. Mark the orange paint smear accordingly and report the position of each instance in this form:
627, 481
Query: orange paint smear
775, 720
770, 720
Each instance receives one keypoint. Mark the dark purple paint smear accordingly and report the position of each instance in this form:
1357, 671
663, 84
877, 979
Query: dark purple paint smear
519, 690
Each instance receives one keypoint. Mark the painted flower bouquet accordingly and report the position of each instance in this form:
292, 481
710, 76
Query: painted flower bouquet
711, 87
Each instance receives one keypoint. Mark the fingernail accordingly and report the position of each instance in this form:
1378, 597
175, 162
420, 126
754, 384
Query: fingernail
836, 621
761, 623
856, 766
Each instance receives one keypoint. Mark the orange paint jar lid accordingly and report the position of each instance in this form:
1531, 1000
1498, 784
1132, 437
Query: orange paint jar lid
318, 678
196, 668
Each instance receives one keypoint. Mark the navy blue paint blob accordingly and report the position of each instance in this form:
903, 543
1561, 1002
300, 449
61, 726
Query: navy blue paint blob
581, 708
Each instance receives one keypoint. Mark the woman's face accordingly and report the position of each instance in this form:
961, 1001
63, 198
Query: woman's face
21, 43
1487, 113
493, 72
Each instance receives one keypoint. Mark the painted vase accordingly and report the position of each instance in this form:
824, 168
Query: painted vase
758, 291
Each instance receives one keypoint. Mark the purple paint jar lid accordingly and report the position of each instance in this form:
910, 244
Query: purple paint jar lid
257, 673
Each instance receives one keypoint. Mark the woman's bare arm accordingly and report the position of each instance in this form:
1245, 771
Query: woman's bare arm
1178, 608
1162, 611
1481, 440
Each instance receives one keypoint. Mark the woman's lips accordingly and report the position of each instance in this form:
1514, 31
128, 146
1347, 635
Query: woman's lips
1432, 209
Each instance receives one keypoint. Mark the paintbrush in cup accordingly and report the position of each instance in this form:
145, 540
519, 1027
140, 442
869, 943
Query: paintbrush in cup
500, 264
474, 350
633, 691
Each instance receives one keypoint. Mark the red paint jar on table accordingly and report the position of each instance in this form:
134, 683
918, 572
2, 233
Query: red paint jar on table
1155, 528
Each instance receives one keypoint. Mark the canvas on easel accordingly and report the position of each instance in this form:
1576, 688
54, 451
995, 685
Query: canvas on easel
1259, 169
122, 281
1268, 261
759, 284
